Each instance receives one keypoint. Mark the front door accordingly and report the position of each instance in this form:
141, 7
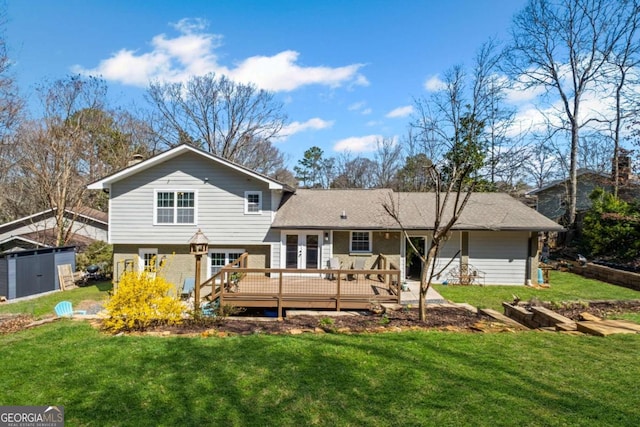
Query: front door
302, 250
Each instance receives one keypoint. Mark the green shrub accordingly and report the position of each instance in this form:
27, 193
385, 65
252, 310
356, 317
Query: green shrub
97, 253
142, 299
611, 228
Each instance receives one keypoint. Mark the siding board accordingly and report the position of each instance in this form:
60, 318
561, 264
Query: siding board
220, 204
502, 256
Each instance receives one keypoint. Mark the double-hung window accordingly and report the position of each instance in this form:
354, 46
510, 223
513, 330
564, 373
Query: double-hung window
253, 202
175, 207
221, 257
360, 241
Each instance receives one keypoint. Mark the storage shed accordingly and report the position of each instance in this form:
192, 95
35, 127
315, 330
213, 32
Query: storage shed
33, 271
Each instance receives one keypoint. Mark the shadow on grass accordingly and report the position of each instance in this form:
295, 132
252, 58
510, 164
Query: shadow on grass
413, 378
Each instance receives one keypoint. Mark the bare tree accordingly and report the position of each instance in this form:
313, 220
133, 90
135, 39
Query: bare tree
562, 46
622, 64
55, 152
221, 116
543, 165
451, 196
388, 157
11, 113
355, 172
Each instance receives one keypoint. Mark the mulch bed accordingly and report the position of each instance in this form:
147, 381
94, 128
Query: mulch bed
445, 317
442, 318
602, 309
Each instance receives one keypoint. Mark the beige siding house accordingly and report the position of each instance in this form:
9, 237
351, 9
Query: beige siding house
157, 205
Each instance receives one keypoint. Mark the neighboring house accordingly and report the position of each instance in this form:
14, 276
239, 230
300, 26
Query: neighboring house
39, 230
157, 205
552, 199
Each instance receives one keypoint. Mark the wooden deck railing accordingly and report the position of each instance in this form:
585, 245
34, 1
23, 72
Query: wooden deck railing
335, 289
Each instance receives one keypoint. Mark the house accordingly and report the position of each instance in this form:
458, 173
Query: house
39, 230
157, 205
552, 199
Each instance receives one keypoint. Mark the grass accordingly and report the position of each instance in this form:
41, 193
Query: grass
563, 287
411, 378
44, 305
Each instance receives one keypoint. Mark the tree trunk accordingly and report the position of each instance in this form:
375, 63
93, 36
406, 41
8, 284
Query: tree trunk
425, 279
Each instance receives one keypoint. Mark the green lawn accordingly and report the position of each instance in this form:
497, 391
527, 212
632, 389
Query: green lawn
563, 287
43, 306
410, 378
390, 379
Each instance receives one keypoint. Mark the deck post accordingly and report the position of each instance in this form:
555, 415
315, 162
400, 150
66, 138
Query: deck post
280, 296
338, 292
223, 285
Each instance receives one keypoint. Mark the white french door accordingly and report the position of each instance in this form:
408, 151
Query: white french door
301, 250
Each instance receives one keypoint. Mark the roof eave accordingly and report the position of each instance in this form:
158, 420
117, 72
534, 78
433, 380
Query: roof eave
106, 182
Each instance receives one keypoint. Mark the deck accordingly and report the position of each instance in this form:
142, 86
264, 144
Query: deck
307, 289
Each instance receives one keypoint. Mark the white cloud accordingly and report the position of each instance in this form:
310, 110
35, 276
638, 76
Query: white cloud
434, 84
358, 144
360, 107
400, 112
297, 127
193, 52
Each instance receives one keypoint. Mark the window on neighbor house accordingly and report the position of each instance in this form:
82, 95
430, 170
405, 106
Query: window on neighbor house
360, 241
253, 202
175, 207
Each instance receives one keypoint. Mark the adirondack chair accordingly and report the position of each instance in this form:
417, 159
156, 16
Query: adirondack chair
358, 265
188, 286
65, 309
334, 264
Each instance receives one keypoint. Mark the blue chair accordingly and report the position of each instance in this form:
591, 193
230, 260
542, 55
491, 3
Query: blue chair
188, 286
65, 309
209, 308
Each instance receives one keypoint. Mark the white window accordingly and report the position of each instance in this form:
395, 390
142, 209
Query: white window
175, 207
148, 259
360, 241
253, 202
221, 257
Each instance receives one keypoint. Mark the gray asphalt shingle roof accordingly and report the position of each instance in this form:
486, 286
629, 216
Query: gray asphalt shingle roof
364, 209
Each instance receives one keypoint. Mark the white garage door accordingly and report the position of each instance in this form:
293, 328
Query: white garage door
501, 255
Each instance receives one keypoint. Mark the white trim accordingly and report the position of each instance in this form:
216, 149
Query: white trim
246, 202
299, 233
144, 251
105, 183
360, 251
226, 252
175, 207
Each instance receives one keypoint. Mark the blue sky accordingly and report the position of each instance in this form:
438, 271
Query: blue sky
346, 71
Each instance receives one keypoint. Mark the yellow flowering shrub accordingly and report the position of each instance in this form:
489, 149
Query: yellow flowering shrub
142, 300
